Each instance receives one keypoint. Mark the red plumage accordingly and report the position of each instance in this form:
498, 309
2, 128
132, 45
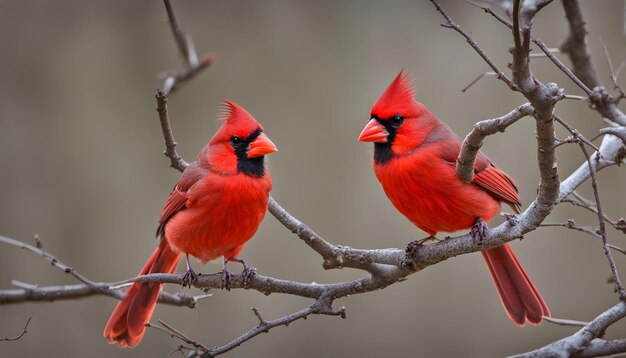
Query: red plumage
215, 208
414, 160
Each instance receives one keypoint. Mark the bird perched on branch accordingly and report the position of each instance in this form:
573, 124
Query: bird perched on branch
414, 160
215, 208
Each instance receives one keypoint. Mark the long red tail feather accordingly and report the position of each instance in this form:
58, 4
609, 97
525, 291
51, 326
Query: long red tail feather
126, 325
520, 298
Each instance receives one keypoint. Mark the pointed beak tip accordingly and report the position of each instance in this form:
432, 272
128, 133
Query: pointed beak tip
261, 146
374, 132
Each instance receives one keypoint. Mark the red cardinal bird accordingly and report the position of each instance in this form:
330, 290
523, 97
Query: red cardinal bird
414, 159
213, 211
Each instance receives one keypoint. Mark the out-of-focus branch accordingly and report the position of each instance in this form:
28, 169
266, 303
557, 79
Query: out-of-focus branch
174, 78
474, 140
578, 52
575, 46
577, 345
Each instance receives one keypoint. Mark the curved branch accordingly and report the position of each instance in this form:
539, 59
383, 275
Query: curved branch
474, 140
581, 340
619, 132
174, 78
24, 331
176, 161
319, 307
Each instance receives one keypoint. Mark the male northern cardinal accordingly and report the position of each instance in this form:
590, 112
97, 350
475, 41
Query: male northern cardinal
414, 159
213, 211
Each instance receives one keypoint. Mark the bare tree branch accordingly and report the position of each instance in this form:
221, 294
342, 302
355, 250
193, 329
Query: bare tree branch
578, 200
175, 333
474, 140
545, 49
575, 46
600, 347
24, 331
605, 241
384, 267
618, 132
579, 342
32, 293
174, 78
451, 24
264, 326
592, 231
176, 161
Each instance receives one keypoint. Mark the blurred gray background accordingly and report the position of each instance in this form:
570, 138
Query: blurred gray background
82, 166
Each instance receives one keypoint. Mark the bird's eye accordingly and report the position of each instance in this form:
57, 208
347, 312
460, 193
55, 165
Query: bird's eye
236, 140
397, 120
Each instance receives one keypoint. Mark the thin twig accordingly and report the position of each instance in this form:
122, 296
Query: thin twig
174, 333
475, 80
179, 35
575, 133
24, 331
319, 307
576, 344
613, 74
35, 293
48, 257
605, 242
578, 200
451, 24
592, 231
174, 78
176, 161
545, 49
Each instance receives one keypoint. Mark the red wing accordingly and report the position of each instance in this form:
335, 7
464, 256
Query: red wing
177, 200
499, 184
486, 175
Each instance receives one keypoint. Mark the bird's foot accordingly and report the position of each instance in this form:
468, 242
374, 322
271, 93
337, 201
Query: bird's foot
510, 218
248, 271
479, 230
411, 249
189, 278
226, 278
247, 274
414, 245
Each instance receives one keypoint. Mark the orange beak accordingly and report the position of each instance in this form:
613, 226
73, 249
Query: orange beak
262, 145
374, 132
